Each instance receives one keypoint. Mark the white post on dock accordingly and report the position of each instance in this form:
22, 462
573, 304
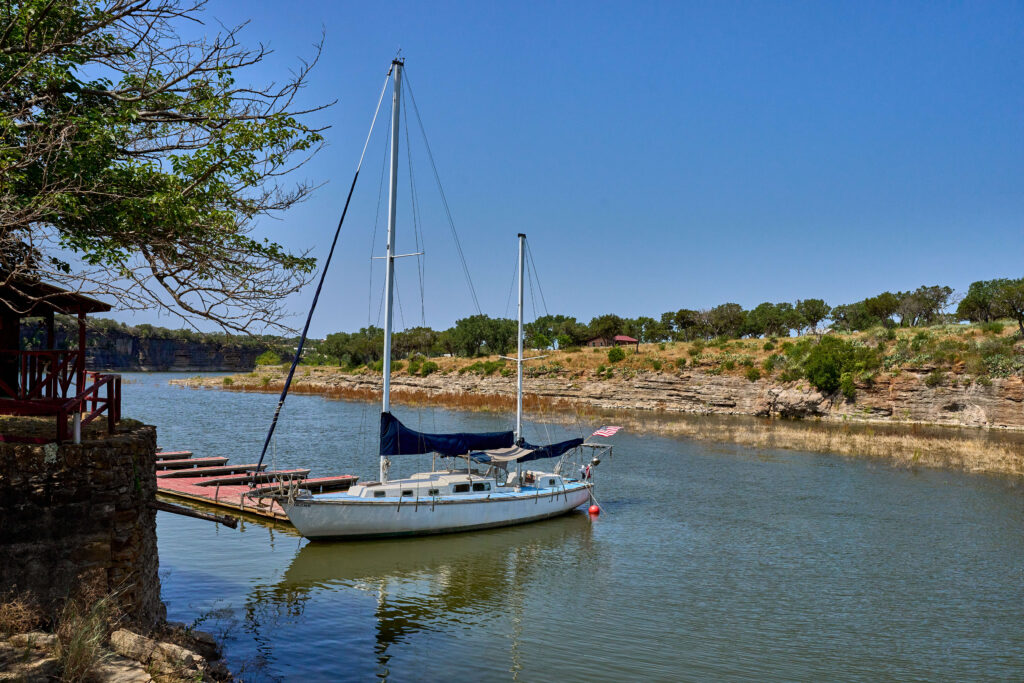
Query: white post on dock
77, 429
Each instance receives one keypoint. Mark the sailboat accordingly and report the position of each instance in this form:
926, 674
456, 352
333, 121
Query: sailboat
483, 493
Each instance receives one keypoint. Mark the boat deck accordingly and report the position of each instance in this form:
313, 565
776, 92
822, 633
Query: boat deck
212, 481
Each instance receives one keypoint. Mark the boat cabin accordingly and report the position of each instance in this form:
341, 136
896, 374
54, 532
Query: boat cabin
426, 485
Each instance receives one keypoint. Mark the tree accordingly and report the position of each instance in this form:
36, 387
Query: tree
922, 306
726, 320
1009, 300
810, 312
606, 326
979, 304
134, 165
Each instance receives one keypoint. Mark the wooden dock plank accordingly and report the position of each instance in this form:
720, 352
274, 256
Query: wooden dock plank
173, 455
262, 477
189, 463
203, 472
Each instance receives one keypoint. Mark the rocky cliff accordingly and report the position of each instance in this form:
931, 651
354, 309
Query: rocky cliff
131, 353
905, 397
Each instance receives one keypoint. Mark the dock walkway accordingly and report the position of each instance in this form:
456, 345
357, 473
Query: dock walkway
212, 481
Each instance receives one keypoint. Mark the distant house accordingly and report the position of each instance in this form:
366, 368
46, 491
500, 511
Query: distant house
617, 340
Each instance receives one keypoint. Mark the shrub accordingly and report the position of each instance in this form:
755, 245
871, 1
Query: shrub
753, 374
790, 375
415, 364
833, 356
266, 381
18, 614
616, 354
747, 362
729, 364
696, 348
769, 345
935, 378
268, 357
571, 349
376, 366
397, 365
769, 364
656, 364
680, 363
429, 367
847, 386
227, 381
993, 327
661, 346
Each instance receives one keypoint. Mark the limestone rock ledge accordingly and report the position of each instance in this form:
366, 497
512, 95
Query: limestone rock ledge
130, 658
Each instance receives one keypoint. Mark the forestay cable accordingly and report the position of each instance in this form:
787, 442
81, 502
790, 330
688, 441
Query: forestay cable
319, 287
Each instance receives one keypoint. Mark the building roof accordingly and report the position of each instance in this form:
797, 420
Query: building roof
32, 297
622, 337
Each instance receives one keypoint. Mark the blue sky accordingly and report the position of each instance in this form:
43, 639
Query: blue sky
665, 155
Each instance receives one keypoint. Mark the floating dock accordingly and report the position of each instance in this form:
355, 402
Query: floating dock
213, 481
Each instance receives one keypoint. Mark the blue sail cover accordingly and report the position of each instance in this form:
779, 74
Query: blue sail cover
397, 439
554, 450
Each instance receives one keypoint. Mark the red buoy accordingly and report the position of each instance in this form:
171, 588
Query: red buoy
594, 510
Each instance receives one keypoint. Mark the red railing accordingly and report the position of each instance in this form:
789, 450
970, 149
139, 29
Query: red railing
49, 383
41, 375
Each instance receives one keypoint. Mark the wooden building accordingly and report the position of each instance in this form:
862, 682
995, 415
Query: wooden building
617, 340
50, 381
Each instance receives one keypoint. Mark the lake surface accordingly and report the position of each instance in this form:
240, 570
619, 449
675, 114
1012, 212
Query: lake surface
710, 562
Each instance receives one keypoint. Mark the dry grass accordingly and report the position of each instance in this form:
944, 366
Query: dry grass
19, 613
906, 447
83, 628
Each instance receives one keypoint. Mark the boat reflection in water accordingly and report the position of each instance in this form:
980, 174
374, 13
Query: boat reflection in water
424, 585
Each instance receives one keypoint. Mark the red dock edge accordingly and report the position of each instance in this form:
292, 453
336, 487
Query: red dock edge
226, 487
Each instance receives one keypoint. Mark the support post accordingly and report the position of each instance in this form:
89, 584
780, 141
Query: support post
80, 361
77, 430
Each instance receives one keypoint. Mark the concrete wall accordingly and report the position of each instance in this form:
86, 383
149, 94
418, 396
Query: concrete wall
75, 520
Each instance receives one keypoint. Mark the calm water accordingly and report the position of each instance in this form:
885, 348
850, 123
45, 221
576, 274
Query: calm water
710, 562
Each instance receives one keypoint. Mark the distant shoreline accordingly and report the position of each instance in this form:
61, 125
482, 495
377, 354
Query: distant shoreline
695, 405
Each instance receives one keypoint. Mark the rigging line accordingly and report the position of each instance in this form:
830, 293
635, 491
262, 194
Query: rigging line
444, 199
511, 286
398, 296
417, 227
319, 288
376, 222
533, 297
533, 264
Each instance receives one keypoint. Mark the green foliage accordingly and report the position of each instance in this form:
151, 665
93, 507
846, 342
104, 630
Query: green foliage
680, 363
428, 368
790, 375
769, 345
227, 381
847, 386
135, 151
616, 354
992, 327
753, 374
729, 365
935, 378
268, 358
656, 364
483, 367
769, 363
832, 356
397, 365
696, 348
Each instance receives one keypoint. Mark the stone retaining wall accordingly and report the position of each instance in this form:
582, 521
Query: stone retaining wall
76, 521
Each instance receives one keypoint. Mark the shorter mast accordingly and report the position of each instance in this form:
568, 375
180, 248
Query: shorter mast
519, 351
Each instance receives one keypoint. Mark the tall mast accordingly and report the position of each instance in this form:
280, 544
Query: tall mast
389, 269
519, 352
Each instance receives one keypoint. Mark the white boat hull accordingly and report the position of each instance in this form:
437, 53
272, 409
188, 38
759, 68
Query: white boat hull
342, 517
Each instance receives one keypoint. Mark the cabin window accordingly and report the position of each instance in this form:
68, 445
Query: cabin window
433, 492
379, 494
462, 488
551, 482
482, 486
407, 492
